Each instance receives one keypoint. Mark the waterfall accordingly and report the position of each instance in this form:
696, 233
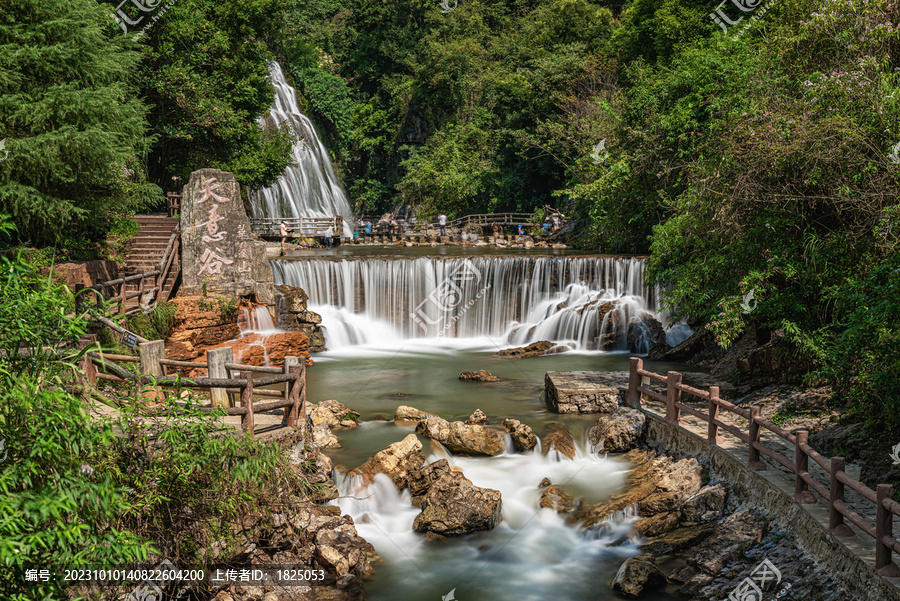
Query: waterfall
582, 302
309, 186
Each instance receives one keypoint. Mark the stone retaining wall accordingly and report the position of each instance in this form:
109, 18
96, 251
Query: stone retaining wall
851, 571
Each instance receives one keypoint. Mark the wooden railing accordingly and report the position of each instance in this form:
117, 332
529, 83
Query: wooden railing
885, 507
232, 394
173, 203
150, 282
298, 227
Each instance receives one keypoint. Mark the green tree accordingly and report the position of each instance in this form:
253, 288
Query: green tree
75, 130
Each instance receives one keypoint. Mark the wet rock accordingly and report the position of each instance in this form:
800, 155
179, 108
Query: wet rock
421, 479
522, 435
292, 299
557, 499
730, 539
707, 505
324, 438
619, 431
463, 438
678, 539
482, 375
396, 462
410, 414
334, 415
558, 439
646, 334
636, 575
454, 505
477, 418
545, 483
535, 349
341, 550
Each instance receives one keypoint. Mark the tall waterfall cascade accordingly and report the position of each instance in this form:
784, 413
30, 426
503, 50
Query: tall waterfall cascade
309, 186
585, 303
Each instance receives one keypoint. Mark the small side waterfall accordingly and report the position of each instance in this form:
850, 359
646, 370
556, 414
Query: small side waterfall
309, 187
583, 302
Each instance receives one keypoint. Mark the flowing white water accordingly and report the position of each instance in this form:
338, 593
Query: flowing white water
309, 186
531, 554
505, 299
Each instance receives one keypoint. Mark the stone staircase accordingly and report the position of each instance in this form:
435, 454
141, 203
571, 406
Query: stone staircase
148, 249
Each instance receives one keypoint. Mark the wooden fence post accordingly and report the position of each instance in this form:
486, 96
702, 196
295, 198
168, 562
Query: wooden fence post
673, 395
801, 464
216, 358
633, 397
150, 354
302, 411
293, 411
754, 463
836, 525
288, 363
140, 298
712, 431
247, 421
884, 526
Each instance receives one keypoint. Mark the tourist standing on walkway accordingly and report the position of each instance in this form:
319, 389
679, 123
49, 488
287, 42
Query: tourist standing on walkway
442, 221
283, 231
329, 234
368, 228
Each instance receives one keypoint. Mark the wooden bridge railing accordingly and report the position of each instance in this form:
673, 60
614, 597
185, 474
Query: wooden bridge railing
885, 507
148, 283
298, 227
232, 392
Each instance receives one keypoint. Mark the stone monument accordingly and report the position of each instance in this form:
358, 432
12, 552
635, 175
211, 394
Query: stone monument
220, 255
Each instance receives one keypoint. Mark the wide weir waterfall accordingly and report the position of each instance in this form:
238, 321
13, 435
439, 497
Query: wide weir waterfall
585, 303
309, 186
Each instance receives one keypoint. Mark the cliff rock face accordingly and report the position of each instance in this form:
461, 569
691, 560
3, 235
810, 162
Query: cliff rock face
220, 255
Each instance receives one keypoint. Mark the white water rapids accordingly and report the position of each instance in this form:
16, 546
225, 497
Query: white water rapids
531, 555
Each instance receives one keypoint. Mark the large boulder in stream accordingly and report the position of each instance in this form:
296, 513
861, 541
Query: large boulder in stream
558, 439
619, 431
410, 414
471, 439
522, 435
396, 461
453, 505
334, 415
636, 575
535, 349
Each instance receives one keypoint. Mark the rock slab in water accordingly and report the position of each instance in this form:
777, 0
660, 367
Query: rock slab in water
619, 431
522, 435
482, 375
646, 334
219, 253
453, 505
535, 349
558, 439
421, 479
396, 461
579, 392
638, 574
410, 414
463, 438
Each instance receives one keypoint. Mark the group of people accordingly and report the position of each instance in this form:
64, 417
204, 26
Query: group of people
396, 226
284, 232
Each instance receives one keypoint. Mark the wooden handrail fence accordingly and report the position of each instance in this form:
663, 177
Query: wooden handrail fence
232, 386
150, 282
298, 227
886, 508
